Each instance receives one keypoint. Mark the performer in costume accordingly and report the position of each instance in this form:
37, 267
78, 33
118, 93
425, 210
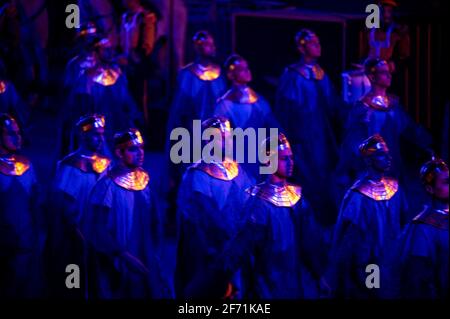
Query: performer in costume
75, 177
87, 58
243, 106
310, 112
378, 113
370, 220
210, 203
19, 216
424, 246
199, 85
103, 89
276, 246
123, 224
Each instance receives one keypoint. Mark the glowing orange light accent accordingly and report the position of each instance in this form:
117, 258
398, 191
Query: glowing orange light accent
100, 164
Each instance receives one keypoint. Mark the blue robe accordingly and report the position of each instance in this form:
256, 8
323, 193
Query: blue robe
194, 98
311, 113
272, 249
118, 220
20, 217
366, 233
424, 257
245, 115
72, 185
209, 213
273, 245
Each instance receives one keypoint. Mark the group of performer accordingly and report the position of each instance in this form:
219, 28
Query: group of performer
336, 204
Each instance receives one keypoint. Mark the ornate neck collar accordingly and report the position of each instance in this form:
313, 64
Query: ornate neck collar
14, 165
241, 95
106, 76
135, 180
378, 102
309, 72
226, 170
2, 87
434, 217
95, 163
280, 196
205, 73
384, 189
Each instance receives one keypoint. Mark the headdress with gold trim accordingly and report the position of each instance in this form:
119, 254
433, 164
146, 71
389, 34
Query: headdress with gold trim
219, 122
282, 144
373, 144
131, 137
430, 169
89, 122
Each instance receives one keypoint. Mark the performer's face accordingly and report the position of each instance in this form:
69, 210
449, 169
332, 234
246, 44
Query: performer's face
241, 73
382, 76
94, 139
11, 138
312, 48
440, 188
285, 163
381, 161
207, 48
132, 156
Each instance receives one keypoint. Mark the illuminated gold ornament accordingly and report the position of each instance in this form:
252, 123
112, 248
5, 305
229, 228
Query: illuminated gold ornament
100, 164
282, 142
280, 196
372, 145
430, 169
135, 180
15, 165
2, 87
384, 189
226, 170
314, 72
242, 96
129, 138
378, 102
94, 163
89, 29
90, 122
106, 76
205, 73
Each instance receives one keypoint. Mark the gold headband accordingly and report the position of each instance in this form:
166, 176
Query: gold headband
98, 122
135, 140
